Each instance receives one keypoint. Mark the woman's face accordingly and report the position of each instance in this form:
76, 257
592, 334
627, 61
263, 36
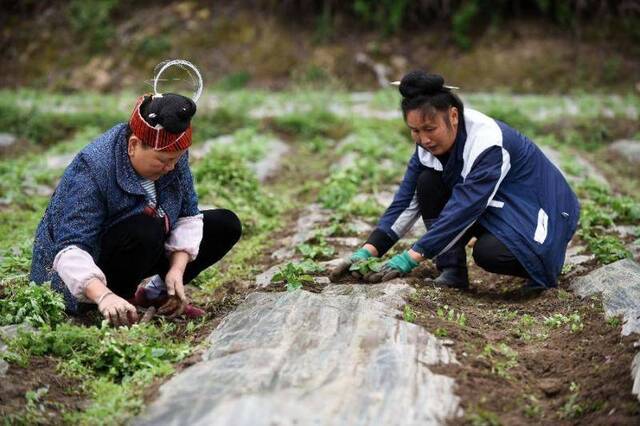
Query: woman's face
432, 132
151, 164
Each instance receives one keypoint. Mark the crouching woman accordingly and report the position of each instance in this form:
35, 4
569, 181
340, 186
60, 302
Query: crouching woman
125, 210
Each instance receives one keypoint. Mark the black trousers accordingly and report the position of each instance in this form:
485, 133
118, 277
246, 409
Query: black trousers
488, 252
134, 249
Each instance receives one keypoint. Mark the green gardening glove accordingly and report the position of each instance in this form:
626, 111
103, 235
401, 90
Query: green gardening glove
398, 265
360, 254
345, 265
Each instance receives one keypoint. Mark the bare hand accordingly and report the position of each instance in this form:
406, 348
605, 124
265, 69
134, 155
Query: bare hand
117, 310
175, 289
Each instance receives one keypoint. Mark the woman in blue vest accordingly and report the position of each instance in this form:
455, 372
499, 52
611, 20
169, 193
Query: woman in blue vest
472, 176
126, 209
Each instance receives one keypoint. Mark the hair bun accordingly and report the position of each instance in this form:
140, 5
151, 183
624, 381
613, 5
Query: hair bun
172, 111
419, 83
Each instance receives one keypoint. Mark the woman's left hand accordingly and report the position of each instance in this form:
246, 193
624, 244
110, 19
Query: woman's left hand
175, 289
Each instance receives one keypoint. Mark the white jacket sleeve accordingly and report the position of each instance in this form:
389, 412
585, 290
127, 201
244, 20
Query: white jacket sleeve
186, 236
76, 268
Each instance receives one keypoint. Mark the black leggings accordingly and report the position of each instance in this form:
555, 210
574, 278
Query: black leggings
488, 252
134, 249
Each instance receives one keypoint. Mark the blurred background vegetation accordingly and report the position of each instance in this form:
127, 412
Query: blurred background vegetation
518, 45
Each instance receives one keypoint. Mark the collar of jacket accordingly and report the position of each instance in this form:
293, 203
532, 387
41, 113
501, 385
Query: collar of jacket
461, 138
126, 176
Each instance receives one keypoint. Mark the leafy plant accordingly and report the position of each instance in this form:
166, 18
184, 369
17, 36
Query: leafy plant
558, 320
373, 264
481, 417
385, 14
318, 250
462, 22
502, 358
614, 322
600, 211
296, 274
572, 408
532, 407
408, 314
38, 305
441, 332
91, 19
445, 312
112, 353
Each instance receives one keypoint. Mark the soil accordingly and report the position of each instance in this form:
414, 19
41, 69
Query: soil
63, 393
593, 363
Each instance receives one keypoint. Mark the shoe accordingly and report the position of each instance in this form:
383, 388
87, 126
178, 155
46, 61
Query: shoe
193, 312
453, 277
140, 299
530, 288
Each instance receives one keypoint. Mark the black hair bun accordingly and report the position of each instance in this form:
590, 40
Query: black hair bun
173, 112
419, 83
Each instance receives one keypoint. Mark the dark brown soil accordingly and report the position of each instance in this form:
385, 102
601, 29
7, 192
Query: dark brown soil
62, 394
558, 376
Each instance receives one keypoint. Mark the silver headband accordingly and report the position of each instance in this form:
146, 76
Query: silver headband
397, 83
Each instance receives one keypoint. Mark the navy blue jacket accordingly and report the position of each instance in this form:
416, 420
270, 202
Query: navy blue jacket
502, 180
99, 189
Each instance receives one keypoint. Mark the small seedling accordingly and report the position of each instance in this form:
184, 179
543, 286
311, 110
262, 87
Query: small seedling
441, 332
294, 275
614, 322
450, 314
507, 314
532, 407
572, 409
372, 264
316, 251
408, 314
558, 320
502, 359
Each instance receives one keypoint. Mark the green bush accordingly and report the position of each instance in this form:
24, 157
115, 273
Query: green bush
37, 305
90, 19
387, 15
461, 22
115, 354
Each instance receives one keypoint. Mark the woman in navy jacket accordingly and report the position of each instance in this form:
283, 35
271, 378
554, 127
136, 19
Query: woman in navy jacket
126, 209
472, 176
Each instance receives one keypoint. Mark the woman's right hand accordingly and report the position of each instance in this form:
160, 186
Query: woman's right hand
117, 310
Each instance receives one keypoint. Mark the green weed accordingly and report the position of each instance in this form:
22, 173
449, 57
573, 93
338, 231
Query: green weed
115, 354
37, 305
600, 212
502, 359
532, 407
408, 314
33, 411
317, 248
572, 408
558, 320
481, 417
614, 322
441, 332
445, 312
